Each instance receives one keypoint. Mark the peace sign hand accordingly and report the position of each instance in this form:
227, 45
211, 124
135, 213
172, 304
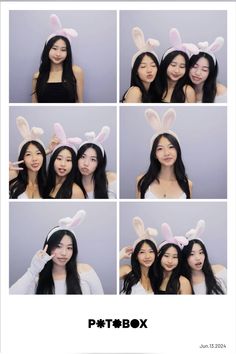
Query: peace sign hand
39, 260
126, 252
13, 165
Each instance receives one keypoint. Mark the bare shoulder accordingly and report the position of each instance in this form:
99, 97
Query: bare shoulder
83, 267
190, 94
185, 286
138, 178
111, 176
183, 280
36, 75
77, 70
133, 95
220, 89
77, 192
190, 183
216, 268
124, 270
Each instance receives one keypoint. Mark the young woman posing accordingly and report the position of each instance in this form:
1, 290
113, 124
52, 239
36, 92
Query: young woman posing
204, 277
173, 73
62, 168
203, 73
92, 177
54, 269
27, 176
58, 81
139, 278
169, 280
145, 66
166, 177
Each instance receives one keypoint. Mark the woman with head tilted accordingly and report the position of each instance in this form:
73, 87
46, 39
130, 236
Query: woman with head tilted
62, 168
173, 73
58, 81
92, 176
204, 277
28, 175
139, 277
145, 66
203, 73
165, 177
169, 280
54, 269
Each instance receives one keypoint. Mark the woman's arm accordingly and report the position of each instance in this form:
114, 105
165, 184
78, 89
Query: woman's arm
34, 81
190, 183
133, 95
112, 186
79, 76
125, 252
190, 96
13, 169
185, 286
77, 192
138, 193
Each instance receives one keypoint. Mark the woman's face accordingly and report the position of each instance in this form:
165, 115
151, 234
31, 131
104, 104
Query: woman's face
63, 251
146, 255
33, 158
169, 260
177, 68
199, 72
63, 163
166, 153
196, 258
58, 52
88, 162
147, 70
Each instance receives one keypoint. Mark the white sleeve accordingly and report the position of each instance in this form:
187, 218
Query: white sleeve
222, 276
90, 283
112, 187
25, 285
221, 98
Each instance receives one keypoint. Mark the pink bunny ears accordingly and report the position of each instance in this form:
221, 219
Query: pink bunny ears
28, 134
180, 241
141, 45
58, 30
69, 223
177, 44
143, 233
64, 141
158, 125
194, 234
212, 48
97, 140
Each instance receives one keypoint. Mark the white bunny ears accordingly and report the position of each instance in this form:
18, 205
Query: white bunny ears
64, 141
177, 44
69, 223
194, 234
158, 125
58, 30
212, 48
143, 233
141, 45
97, 140
181, 241
28, 134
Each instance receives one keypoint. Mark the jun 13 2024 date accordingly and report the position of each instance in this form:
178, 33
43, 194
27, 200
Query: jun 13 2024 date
211, 346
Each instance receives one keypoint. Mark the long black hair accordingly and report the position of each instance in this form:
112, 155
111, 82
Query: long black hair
99, 176
68, 77
154, 169
178, 95
18, 184
209, 86
65, 190
212, 285
134, 275
153, 94
173, 285
45, 282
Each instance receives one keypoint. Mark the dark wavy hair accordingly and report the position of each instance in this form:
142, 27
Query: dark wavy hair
153, 94
68, 77
154, 169
178, 95
209, 86
45, 282
212, 285
134, 275
65, 190
173, 285
99, 176
18, 185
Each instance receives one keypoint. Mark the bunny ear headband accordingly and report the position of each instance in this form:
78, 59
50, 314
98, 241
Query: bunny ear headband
143, 233
212, 48
97, 140
69, 223
64, 141
58, 30
180, 241
28, 134
161, 126
194, 234
141, 45
177, 44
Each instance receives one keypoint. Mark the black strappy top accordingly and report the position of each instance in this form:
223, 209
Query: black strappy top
55, 92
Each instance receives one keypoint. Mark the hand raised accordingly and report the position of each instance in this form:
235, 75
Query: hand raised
126, 252
13, 165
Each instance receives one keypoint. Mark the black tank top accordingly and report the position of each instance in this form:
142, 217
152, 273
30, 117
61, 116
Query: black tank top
56, 92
